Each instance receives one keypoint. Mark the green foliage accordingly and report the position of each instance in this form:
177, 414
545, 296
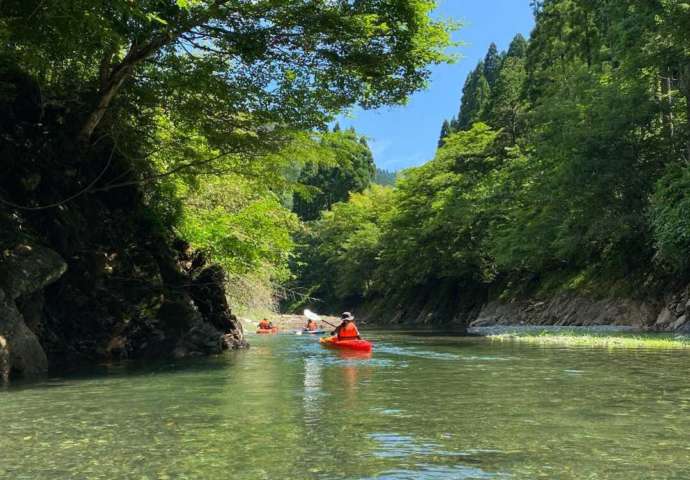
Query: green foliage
492, 65
340, 253
351, 170
434, 232
475, 96
506, 107
670, 218
518, 47
214, 106
566, 168
385, 177
286, 62
445, 131
243, 230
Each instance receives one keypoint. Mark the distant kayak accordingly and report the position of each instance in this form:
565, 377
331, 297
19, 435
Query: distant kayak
310, 332
359, 345
267, 330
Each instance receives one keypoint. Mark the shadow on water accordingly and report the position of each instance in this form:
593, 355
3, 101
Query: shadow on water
123, 369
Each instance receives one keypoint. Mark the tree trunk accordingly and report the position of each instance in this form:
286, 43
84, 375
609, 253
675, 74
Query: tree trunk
138, 53
667, 102
111, 83
685, 89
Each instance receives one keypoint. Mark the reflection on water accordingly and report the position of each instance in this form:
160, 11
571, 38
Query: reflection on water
420, 407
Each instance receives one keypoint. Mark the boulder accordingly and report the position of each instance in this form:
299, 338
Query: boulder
665, 318
22, 352
679, 323
28, 269
201, 339
208, 293
24, 271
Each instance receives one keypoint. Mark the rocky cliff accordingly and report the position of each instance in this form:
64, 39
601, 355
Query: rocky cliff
664, 314
456, 308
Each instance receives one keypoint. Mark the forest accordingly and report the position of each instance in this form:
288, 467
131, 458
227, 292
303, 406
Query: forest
158, 159
566, 169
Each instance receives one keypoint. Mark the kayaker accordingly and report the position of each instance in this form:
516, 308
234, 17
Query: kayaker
264, 324
312, 326
347, 330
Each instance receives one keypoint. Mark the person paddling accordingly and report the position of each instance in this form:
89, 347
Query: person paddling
264, 324
347, 330
312, 326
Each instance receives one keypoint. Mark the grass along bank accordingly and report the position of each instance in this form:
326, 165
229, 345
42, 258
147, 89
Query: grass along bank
575, 338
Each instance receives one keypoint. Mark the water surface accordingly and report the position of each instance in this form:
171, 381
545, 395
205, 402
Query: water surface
421, 407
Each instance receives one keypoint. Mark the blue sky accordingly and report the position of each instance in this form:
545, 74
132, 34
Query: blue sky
406, 136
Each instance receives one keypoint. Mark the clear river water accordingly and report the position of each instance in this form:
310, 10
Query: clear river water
421, 407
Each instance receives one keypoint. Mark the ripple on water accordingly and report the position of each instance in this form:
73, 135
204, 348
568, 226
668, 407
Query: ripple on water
410, 352
436, 472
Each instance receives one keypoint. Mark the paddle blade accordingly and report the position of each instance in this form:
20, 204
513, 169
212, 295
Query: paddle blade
311, 315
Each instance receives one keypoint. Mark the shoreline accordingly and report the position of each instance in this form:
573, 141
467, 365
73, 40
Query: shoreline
600, 336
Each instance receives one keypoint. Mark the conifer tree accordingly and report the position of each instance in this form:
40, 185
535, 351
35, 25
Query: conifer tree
492, 65
518, 47
475, 96
445, 131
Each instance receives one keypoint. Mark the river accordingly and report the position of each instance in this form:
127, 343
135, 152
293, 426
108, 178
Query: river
421, 407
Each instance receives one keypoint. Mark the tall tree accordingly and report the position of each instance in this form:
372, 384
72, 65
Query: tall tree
475, 96
506, 107
518, 47
492, 64
445, 131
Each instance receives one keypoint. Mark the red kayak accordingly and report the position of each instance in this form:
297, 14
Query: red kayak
359, 345
267, 330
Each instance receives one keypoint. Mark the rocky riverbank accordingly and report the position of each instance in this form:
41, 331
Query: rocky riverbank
459, 309
50, 317
669, 314
89, 273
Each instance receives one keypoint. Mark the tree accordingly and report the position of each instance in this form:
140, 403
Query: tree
352, 170
340, 252
445, 131
505, 109
385, 177
279, 62
518, 47
475, 95
492, 65
566, 168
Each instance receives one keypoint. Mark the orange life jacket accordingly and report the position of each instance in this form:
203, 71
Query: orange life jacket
348, 332
264, 325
